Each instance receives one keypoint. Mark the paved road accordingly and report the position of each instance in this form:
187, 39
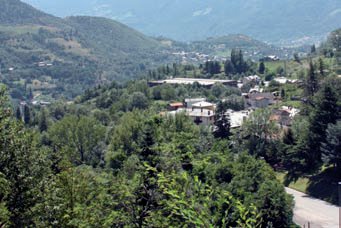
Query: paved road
319, 213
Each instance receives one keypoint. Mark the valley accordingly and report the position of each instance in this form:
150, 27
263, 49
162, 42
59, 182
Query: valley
104, 126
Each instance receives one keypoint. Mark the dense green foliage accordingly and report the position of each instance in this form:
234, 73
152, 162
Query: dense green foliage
146, 170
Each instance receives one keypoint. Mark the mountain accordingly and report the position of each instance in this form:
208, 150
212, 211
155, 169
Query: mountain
52, 56
277, 21
15, 12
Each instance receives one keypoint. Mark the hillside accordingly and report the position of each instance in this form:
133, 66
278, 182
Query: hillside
53, 56
275, 21
253, 49
15, 12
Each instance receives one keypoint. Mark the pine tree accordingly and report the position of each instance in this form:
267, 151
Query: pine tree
27, 115
313, 49
222, 123
331, 149
241, 64
30, 94
229, 68
167, 70
282, 93
261, 69
326, 112
311, 82
43, 121
321, 66
18, 114
175, 69
147, 152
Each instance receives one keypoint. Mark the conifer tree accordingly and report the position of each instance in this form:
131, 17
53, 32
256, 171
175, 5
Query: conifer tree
326, 112
313, 49
222, 122
229, 68
311, 82
27, 115
282, 93
43, 121
18, 114
321, 66
261, 69
331, 149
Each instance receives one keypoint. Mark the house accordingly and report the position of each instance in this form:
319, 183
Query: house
284, 80
200, 111
190, 81
190, 101
270, 58
253, 78
203, 105
284, 116
202, 116
237, 118
260, 100
256, 89
175, 106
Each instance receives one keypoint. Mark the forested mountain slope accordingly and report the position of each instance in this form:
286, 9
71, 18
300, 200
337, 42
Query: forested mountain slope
270, 20
63, 56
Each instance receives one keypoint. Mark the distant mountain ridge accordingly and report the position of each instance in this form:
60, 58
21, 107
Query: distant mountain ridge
270, 20
56, 56
65, 56
15, 12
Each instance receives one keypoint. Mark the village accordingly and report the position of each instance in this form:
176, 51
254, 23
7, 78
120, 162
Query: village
203, 112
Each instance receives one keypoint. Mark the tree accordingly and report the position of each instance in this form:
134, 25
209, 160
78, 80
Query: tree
313, 49
260, 135
297, 58
282, 93
321, 66
138, 100
221, 123
81, 138
22, 169
274, 204
4, 191
326, 112
229, 68
18, 114
335, 40
183, 194
331, 149
261, 69
255, 182
43, 121
218, 90
237, 63
167, 92
27, 115
311, 86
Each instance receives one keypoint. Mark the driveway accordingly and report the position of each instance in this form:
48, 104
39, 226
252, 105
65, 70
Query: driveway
318, 213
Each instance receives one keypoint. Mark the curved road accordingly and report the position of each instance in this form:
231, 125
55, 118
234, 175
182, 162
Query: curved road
318, 213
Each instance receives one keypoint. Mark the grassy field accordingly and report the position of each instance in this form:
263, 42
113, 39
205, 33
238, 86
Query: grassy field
294, 69
300, 185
